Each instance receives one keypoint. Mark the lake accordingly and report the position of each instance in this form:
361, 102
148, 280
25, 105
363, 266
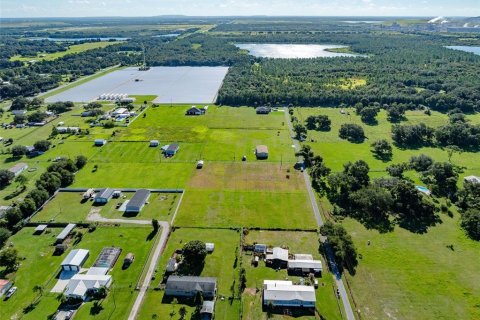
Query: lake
363, 21
79, 39
293, 51
170, 35
475, 50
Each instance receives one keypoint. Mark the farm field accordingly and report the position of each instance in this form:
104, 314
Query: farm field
40, 267
69, 207
404, 275
246, 194
220, 264
336, 151
297, 242
76, 48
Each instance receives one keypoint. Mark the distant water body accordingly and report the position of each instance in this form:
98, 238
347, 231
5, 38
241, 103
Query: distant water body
363, 21
170, 35
293, 51
475, 50
79, 39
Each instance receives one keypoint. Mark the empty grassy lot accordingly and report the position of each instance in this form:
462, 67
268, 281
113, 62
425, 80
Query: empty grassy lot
402, 275
69, 207
297, 242
246, 194
336, 151
40, 267
220, 264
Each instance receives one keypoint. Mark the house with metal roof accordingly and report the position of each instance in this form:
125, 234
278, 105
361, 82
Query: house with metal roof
65, 232
172, 149
286, 294
472, 179
304, 267
263, 110
75, 260
261, 151
103, 195
172, 265
138, 201
81, 285
178, 286
208, 307
18, 168
278, 257
194, 111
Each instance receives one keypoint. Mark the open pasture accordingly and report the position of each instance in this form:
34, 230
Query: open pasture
220, 264
170, 84
296, 242
336, 151
404, 275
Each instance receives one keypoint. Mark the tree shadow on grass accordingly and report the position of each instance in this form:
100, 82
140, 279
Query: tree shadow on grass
419, 224
96, 308
151, 235
30, 307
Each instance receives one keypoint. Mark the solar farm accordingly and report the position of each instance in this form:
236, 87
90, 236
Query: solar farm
169, 84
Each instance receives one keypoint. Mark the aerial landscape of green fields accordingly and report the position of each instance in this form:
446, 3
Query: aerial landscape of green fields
314, 163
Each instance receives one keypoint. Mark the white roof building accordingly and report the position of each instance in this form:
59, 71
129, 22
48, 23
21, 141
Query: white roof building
81, 284
473, 179
209, 246
286, 294
303, 256
307, 265
278, 254
75, 260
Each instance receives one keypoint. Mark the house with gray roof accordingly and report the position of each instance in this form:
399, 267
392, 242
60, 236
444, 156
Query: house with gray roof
138, 201
179, 286
103, 195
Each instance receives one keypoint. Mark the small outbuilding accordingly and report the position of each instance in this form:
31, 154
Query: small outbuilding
18, 168
260, 248
172, 149
263, 110
154, 143
128, 260
65, 232
200, 164
75, 260
209, 247
261, 151
88, 194
472, 179
187, 286
40, 229
100, 142
278, 257
138, 201
304, 267
5, 285
194, 111
208, 307
103, 195
172, 265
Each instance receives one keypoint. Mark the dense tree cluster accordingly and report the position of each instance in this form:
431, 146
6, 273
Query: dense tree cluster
342, 245
319, 123
412, 135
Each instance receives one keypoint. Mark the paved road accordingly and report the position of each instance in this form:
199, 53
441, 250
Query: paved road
151, 269
338, 277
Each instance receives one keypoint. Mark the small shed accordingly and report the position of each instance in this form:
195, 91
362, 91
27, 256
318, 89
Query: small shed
100, 142
5, 285
154, 143
194, 111
260, 248
200, 164
472, 179
210, 247
261, 151
104, 195
40, 229
172, 265
208, 307
263, 110
65, 232
18, 168
172, 149
75, 260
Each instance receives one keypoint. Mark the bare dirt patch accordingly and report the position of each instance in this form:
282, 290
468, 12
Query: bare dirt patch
247, 176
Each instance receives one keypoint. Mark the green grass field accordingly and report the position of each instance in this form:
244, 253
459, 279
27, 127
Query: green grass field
336, 151
40, 267
402, 275
296, 242
219, 264
76, 48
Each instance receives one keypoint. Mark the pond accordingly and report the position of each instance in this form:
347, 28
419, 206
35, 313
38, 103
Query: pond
293, 51
79, 39
169, 35
471, 49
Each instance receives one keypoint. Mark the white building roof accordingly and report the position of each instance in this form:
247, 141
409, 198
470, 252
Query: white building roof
41, 227
307, 264
473, 179
278, 254
303, 256
79, 284
209, 246
66, 231
75, 257
97, 271
288, 292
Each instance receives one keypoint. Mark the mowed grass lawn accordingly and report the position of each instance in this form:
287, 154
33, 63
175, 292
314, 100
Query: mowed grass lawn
297, 242
40, 267
246, 194
219, 264
69, 207
402, 275
336, 151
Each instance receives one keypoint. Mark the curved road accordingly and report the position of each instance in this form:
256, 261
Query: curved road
338, 277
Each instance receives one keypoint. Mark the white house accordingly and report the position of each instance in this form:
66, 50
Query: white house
75, 260
18, 168
286, 294
472, 179
80, 285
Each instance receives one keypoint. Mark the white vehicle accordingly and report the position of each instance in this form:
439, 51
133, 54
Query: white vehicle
11, 292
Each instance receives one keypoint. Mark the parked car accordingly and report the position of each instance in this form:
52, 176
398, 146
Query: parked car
10, 292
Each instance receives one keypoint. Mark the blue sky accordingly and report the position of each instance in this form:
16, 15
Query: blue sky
82, 8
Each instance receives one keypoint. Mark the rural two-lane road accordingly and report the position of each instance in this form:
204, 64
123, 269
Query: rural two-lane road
338, 277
